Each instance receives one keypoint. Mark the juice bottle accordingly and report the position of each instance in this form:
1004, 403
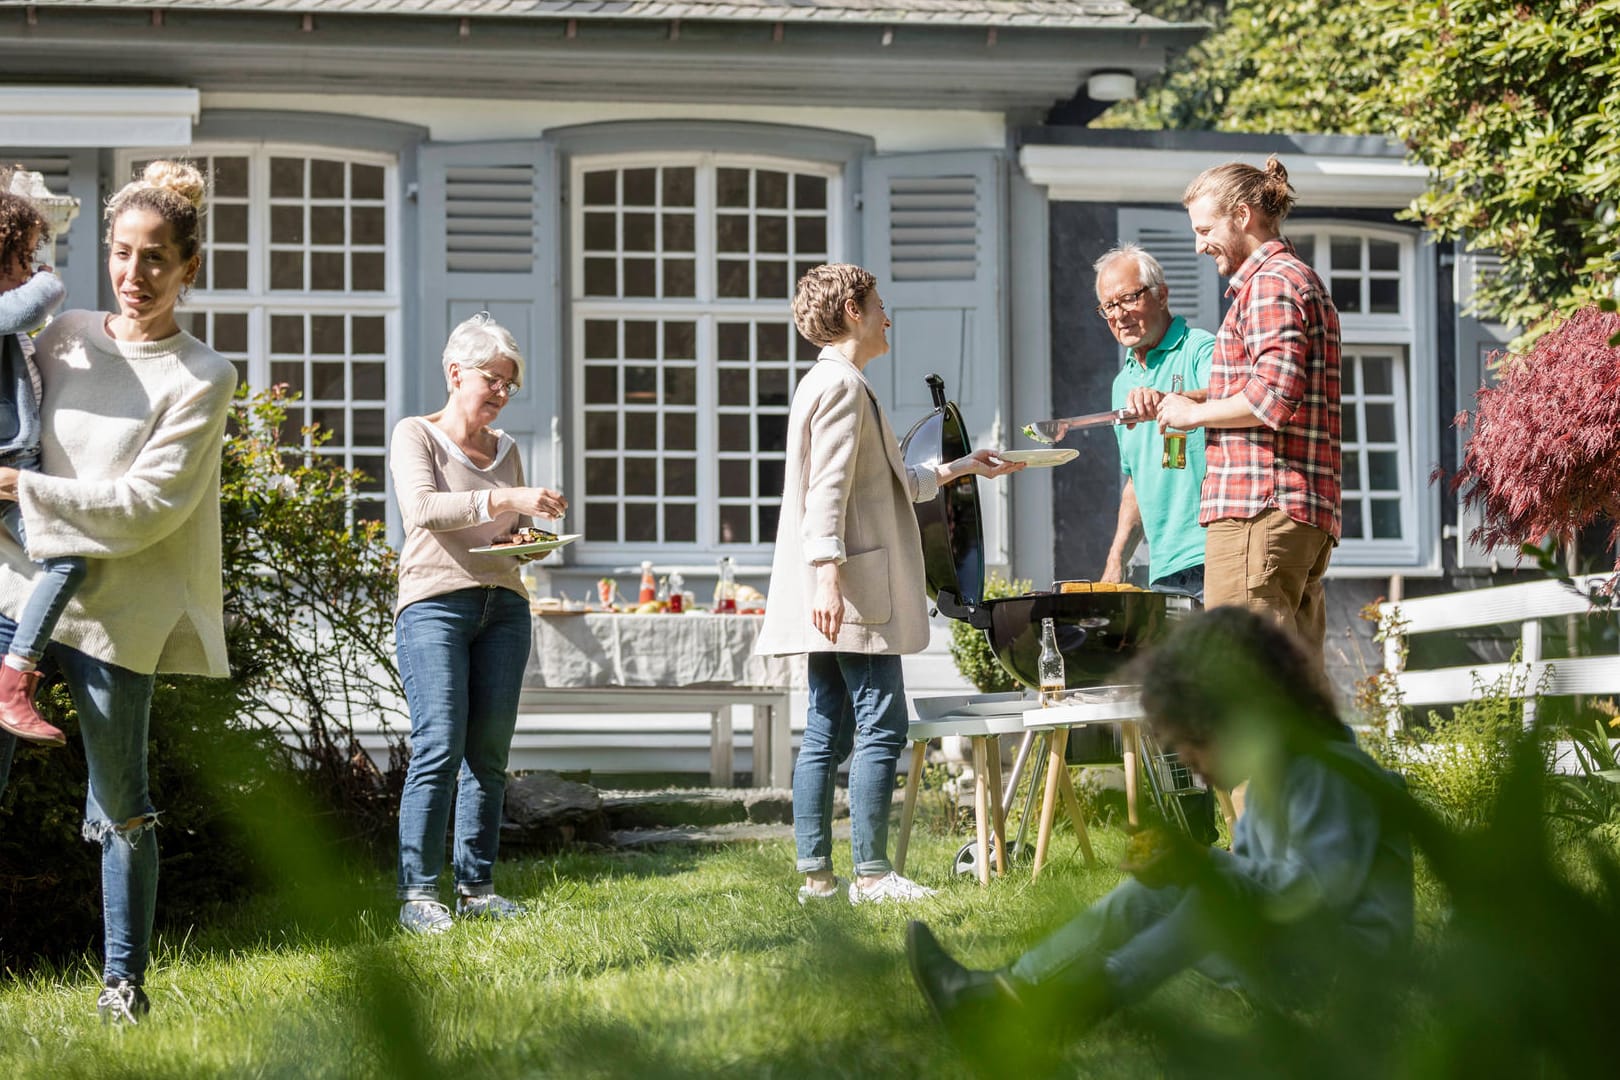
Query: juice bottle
649, 584
677, 598
725, 590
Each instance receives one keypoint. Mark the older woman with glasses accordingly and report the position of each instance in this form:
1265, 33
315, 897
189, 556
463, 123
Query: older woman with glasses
461, 626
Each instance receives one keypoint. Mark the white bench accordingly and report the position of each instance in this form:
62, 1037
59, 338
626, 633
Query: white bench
1524, 604
773, 742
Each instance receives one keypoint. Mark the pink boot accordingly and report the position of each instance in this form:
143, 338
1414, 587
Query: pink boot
17, 713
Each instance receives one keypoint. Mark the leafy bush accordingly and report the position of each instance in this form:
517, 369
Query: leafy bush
308, 607
1456, 764
309, 613
1590, 800
970, 648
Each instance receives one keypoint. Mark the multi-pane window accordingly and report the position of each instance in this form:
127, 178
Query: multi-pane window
328, 225
298, 288
1370, 275
685, 348
1363, 273
1376, 462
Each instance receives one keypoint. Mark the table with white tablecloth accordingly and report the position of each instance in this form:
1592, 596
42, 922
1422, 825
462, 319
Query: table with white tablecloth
692, 662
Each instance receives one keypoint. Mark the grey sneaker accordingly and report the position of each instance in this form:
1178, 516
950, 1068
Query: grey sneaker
891, 887
807, 894
424, 916
122, 1002
488, 906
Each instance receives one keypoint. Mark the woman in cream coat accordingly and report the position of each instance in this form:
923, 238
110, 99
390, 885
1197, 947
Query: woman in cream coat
847, 584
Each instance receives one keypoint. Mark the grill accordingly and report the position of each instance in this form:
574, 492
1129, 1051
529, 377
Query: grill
1097, 631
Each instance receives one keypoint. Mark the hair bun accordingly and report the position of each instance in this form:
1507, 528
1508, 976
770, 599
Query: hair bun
180, 177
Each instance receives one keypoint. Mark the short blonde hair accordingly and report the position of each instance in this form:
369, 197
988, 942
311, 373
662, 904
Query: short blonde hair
1265, 191
818, 301
478, 342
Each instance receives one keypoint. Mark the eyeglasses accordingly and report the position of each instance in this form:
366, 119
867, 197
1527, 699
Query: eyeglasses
1127, 300
503, 387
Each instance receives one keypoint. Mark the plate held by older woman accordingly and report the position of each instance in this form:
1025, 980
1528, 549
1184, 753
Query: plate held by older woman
533, 547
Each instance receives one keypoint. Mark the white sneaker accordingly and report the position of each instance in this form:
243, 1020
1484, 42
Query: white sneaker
808, 895
889, 887
424, 916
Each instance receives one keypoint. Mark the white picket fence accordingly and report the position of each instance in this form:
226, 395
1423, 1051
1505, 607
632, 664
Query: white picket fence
1526, 605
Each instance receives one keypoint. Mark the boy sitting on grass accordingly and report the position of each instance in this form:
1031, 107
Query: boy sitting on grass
1319, 876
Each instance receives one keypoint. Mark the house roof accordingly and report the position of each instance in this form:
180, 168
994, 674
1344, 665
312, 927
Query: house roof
995, 55
1043, 14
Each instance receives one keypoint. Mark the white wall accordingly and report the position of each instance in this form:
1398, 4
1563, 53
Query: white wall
467, 119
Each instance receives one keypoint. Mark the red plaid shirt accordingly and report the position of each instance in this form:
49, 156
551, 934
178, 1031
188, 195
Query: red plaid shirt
1279, 348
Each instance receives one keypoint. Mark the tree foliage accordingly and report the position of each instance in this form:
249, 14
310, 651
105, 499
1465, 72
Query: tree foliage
1302, 67
1513, 108
1544, 456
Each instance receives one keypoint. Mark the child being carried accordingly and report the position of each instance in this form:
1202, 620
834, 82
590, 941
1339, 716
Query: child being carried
27, 296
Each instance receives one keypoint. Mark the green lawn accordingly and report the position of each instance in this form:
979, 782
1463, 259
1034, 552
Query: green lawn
668, 963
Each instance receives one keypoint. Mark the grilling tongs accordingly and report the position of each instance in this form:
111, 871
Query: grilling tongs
1050, 431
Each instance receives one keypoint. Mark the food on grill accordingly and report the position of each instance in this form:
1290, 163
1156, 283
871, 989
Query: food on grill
525, 536
1096, 587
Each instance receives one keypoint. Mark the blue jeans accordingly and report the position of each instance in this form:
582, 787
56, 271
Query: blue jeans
857, 703
1142, 937
114, 707
1188, 582
461, 657
50, 595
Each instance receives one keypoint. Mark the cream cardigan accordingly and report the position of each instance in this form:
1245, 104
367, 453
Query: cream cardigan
132, 433
847, 499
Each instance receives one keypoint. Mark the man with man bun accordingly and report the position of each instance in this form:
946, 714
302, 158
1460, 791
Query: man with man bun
1271, 494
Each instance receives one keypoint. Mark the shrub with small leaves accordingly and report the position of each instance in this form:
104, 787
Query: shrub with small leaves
1544, 456
971, 650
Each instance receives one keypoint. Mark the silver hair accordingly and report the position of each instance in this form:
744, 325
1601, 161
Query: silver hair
478, 342
1152, 274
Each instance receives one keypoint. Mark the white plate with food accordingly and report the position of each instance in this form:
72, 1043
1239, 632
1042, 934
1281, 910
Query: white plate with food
528, 543
1038, 459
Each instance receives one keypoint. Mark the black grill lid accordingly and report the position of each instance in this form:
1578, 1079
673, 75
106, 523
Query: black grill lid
952, 535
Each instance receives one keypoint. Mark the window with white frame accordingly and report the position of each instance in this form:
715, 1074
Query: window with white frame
1370, 275
685, 351
299, 287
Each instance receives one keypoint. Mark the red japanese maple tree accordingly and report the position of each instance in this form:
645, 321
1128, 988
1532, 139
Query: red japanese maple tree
1544, 458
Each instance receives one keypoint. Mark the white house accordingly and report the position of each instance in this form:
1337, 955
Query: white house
633, 188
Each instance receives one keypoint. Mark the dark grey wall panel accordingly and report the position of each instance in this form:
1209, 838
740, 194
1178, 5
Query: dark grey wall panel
1085, 357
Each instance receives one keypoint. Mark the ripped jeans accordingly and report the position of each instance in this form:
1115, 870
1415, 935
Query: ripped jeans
114, 707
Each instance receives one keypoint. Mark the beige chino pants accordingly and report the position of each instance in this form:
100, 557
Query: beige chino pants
1271, 563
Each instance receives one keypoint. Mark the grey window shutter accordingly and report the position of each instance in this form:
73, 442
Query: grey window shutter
489, 219
933, 236
1195, 288
1476, 340
78, 259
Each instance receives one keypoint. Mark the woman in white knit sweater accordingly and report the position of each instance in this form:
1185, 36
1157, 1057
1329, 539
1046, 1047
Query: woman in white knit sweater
461, 628
133, 416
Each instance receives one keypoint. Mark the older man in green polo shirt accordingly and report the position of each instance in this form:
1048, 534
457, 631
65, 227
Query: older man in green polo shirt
1157, 502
